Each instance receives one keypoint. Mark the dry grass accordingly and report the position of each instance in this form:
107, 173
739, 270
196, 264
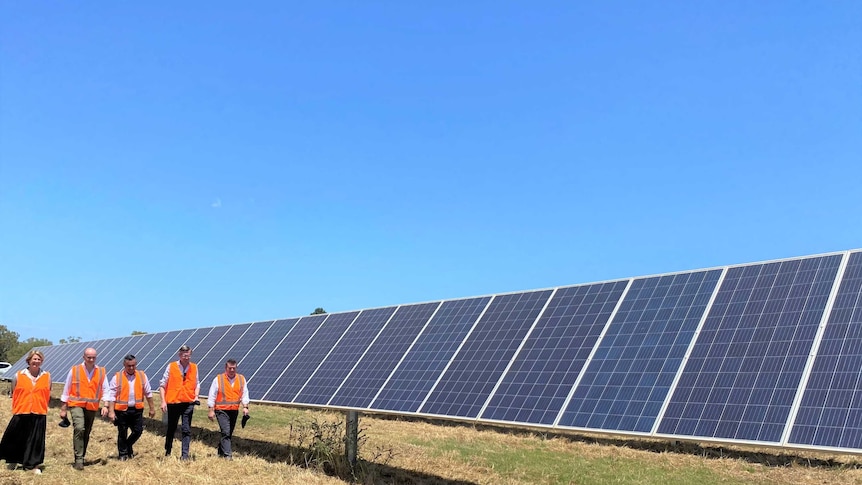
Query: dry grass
269, 451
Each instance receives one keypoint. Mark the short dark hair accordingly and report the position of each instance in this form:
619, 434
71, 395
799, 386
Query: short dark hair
185, 348
129, 357
230, 362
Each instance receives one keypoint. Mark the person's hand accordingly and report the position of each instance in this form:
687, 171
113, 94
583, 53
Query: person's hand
164, 407
62, 414
105, 412
112, 416
245, 411
152, 413
211, 414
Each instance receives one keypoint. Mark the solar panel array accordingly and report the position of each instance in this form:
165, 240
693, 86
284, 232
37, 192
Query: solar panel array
763, 353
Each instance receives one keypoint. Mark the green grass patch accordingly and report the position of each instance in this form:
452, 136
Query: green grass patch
535, 463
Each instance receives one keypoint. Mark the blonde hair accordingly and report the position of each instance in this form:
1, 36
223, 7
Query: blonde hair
35, 352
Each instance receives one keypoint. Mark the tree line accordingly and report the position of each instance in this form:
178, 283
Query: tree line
12, 349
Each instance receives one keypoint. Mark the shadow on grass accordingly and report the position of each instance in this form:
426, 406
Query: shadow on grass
775, 458
363, 472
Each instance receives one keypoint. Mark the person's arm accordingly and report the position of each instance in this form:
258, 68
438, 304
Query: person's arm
197, 382
111, 397
105, 410
64, 397
163, 387
211, 398
148, 393
245, 399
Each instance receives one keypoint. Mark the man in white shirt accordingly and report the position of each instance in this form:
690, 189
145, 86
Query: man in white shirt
85, 385
227, 393
125, 398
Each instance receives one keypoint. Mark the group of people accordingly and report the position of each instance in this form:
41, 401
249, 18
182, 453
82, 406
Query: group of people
89, 391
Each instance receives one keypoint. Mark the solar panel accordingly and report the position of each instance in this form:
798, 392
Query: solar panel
368, 377
204, 348
310, 354
152, 350
628, 378
475, 369
344, 356
419, 370
762, 353
210, 364
830, 414
251, 349
283, 353
138, 343
538, 383
156, 363
745, 368
112, 352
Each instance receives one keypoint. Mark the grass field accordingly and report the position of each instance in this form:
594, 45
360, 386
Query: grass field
279, 446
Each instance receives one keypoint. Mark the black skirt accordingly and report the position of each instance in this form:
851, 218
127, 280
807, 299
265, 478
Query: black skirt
24, 440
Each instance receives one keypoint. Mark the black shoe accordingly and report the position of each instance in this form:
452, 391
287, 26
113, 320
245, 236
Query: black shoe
168, 453
78, 466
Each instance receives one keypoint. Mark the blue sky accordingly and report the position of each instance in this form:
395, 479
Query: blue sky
178, 165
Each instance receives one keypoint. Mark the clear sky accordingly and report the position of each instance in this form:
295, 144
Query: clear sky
168, 165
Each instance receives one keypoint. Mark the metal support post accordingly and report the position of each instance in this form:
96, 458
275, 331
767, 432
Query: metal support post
351, 440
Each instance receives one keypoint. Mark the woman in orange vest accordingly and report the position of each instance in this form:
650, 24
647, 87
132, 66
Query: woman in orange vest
23, 442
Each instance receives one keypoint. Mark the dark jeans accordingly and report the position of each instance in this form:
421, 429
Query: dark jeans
226, 423
175, 412
130, 419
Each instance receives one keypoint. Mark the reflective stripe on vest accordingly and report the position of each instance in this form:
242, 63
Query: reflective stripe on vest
86, 393
29, 397
122, 400
178, 388
229, 396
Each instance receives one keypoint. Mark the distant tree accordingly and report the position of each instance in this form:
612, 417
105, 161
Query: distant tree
23, 347
70, 340
8, 342
318, 311
138, 332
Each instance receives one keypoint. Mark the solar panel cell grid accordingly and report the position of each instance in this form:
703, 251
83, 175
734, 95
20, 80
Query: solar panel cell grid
782, 302
309, 357
626, 382
535, 388
829, 414
344, 356
212, 363
475, 370
422, 365
275, 350
383, 355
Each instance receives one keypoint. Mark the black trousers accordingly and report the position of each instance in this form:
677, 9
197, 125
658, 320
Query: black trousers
226, 423
130, 419
175, 412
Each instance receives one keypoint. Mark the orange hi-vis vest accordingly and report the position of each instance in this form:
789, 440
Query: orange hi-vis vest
121, 402
181, 389
229, 395
29, 397
86, 393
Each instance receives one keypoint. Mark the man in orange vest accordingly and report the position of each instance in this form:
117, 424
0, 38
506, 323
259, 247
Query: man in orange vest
126, 393
227, 392
85, 385
180, 389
